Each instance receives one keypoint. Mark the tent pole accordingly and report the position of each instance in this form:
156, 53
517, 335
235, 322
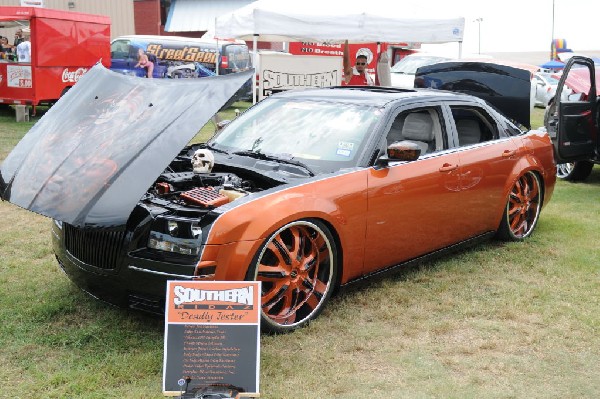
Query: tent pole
254, 62
460, 50
218, 52
218, 58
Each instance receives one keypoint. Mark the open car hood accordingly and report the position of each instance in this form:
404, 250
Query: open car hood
90, 159
507, 88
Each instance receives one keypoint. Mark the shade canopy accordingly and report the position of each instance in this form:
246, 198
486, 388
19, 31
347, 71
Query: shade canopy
334, 22
552, 64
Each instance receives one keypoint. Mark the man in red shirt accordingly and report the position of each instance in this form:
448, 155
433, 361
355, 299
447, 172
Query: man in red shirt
355, 75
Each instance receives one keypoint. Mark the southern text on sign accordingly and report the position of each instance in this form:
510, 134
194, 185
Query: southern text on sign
243, 295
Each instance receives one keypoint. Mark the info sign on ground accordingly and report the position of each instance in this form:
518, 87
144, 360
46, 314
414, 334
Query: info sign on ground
212, 335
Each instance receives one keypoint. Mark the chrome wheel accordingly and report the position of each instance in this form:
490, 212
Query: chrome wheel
574, 171
522, 209
563, 170
297, 268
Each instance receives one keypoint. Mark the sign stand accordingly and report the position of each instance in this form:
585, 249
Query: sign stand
212, 339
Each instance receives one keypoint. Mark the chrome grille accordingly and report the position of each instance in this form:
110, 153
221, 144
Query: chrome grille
101, 248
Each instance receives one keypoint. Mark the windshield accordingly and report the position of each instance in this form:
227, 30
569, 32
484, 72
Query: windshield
324, 136
410, 64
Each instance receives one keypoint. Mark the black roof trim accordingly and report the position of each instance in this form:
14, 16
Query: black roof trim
376, 89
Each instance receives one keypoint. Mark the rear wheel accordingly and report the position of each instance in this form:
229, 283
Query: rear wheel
522, 208
297, 266
574, 171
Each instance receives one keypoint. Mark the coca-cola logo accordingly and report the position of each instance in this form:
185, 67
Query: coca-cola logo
73, 76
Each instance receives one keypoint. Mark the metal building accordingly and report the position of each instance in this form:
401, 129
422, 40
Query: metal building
121, 12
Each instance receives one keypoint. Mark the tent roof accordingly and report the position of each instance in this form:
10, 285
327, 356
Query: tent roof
335, 22
25, 13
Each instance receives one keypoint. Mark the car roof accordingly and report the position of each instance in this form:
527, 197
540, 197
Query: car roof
375, 95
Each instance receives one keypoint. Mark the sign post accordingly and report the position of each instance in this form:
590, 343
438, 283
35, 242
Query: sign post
212, 338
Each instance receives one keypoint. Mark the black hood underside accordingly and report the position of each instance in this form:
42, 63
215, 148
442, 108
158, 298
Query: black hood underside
94, 154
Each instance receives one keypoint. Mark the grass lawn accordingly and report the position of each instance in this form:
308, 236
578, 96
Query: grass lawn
499, 320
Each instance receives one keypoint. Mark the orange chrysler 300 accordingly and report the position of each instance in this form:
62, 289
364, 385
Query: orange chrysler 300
306, 191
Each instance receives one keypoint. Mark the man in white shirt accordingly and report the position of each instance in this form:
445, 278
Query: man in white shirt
24, 48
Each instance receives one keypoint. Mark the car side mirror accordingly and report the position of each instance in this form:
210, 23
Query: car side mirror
399, 151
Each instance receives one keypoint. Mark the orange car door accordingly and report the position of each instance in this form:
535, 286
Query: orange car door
412, 205
486, 166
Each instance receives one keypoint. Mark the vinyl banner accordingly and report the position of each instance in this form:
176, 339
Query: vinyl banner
369, 50
280, 72
212, 337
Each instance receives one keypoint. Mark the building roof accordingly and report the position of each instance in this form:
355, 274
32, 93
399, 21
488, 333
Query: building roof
199, 15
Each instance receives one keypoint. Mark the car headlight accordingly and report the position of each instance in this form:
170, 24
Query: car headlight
175, 234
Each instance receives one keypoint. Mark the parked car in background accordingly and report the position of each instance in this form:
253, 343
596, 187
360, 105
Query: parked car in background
179, 57
403, 72
572, 121
500, 85
545, 87
174, 51
306, 191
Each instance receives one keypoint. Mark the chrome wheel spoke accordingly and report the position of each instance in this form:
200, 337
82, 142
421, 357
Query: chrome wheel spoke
279, 249
271, 273
274, 296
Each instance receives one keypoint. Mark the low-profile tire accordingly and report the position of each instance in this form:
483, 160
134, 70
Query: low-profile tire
522, 208
575, 171
297, 266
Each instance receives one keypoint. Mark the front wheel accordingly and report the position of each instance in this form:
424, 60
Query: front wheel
522, 208
297, 266
575, 171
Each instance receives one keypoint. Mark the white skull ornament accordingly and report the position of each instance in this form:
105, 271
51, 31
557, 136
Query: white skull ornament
203, 161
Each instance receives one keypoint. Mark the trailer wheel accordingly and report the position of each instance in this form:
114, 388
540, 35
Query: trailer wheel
64, 91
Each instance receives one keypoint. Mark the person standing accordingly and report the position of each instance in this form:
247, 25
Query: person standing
5, 46
18, 37
356, 75
24, 48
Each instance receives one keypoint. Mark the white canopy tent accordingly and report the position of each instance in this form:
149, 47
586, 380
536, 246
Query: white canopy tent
337, 21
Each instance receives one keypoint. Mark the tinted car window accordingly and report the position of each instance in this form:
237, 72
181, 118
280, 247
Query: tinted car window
119, 49
473, 125
422, 126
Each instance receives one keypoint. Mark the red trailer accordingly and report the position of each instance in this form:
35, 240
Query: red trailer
64, 45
